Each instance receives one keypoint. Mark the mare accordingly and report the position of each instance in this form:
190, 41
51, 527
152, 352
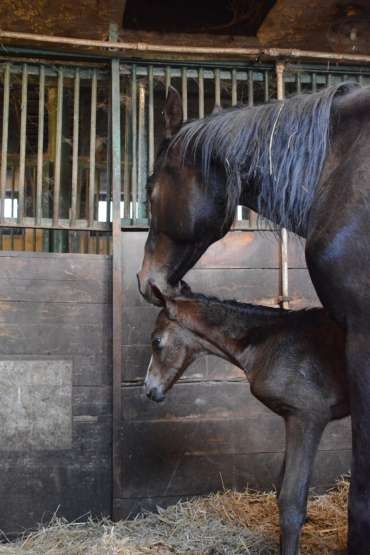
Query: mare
293, 360
304, 163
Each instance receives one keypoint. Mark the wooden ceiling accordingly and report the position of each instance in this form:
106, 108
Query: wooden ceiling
330, 25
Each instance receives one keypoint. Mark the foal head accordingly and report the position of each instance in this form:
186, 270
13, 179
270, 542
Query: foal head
174, 348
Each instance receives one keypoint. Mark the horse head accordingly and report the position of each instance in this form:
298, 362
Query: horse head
186, 217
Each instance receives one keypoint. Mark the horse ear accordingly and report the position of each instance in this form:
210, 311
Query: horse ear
173, 116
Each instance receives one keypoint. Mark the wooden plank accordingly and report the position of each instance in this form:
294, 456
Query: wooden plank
55, 266
46, 339
194, 402
301, 289
69, 291
35, 312
258, 471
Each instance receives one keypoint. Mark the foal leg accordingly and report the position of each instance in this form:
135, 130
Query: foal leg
302, 439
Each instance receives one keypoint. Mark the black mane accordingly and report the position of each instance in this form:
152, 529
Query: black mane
217, 312
281, 146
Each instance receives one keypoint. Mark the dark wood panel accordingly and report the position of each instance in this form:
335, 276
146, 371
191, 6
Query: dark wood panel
193, 402
55, 266
46, 339
258, 471
52, 313
301, 290
70, 291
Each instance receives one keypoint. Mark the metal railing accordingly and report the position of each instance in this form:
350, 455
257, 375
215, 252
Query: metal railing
55, 175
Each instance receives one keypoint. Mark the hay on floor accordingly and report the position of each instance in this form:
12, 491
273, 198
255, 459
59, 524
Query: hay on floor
223, 523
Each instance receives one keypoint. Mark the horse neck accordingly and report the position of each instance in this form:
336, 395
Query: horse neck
226, 328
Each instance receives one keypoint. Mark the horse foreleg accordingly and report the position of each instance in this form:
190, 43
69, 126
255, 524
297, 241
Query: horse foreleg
358, 365
302, 440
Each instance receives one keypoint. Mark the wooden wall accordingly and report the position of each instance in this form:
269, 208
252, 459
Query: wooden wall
55, 387
210, 433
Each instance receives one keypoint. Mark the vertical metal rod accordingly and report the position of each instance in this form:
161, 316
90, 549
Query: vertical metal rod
117, 279
299, 83
134, 142
201, 92
284, 234
4, 144
217, 88
250, 88
76, 121
40, 145
141, 154
151, 121
58, 149
266, 83
184, 93
22, 145
126, 161
234, 88
314, 82
168, 78
92, 149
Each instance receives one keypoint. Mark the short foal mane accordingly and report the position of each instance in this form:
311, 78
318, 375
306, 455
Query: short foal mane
281, 146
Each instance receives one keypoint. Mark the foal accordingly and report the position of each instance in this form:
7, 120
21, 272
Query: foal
294, 362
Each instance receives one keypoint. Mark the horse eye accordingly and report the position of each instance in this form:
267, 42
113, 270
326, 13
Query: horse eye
156, 342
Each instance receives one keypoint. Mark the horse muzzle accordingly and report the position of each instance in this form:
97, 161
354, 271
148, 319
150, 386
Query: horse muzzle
155, 394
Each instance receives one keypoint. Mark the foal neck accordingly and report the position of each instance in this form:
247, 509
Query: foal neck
226, 328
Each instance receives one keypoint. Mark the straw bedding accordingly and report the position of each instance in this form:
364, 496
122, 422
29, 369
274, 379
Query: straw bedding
223, 523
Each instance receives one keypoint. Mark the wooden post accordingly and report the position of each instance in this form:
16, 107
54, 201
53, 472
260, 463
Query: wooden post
284, 297
117, 275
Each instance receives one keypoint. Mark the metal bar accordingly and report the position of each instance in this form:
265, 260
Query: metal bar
217, 88
284, 278
201, 92
234, 88
314, 82
184, 93
22, 145
92, 149
126, 162
63, 223
117, 303
299, 83
168, 79
40, 145
151, 121
134, 143
4, 144
250, 88
141, 154
266, 83
172, 48
76, 121
58, 149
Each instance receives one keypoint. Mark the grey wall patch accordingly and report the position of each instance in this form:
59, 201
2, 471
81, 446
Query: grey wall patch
35, 404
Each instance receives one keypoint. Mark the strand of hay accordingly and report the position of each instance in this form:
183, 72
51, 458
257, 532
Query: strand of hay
223, 523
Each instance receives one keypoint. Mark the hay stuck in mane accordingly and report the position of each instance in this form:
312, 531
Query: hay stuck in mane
222, 523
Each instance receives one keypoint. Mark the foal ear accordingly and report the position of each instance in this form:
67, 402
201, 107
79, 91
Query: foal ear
158, 293
173, 116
